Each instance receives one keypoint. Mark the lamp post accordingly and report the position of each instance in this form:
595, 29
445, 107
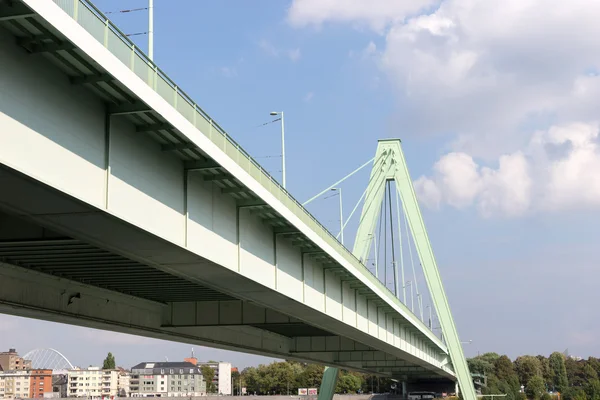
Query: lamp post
339, 190
430, 320
151, 30
412, 299
282, 146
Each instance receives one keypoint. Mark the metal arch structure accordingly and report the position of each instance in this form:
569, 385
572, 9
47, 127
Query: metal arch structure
48, 359
390, 165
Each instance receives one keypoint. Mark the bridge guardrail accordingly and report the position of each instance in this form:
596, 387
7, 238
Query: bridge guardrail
104, 31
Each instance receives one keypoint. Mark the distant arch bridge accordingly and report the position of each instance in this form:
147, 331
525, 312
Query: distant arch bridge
48, 359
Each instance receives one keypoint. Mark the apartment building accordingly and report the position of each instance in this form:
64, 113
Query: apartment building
124, 383
10, 361
15, 384
40, 383
222, 378
93, 382
166, 379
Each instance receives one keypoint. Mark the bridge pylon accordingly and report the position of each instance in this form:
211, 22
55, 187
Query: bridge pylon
390, 165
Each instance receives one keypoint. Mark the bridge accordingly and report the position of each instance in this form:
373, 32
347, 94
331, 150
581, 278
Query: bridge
125, 207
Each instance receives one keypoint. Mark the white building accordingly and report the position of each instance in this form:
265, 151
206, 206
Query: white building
14, 384
93, 383
123, 383
222, 379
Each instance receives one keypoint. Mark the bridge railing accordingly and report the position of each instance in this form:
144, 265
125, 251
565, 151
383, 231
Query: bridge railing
104, 31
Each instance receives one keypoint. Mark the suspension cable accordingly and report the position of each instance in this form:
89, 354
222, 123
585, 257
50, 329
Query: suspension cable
353, 211
394, 266
398, 212
412, 263
360, 199
379, 243
338, 182
385, 235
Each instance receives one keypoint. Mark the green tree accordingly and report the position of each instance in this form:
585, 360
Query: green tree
527, 367
208, 374
535, 387
235, 381
311, 376
547, 372
556, 362
575, 374
348, 383
109, 362
508, 378
592, 389
589, 373
574, 393
546, 396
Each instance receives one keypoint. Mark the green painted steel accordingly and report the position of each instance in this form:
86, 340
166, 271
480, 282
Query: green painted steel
105, 32
328, 384
393, 167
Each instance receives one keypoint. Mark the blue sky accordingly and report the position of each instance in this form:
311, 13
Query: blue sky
513, 229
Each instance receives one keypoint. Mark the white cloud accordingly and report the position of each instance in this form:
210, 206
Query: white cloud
556, 171
294, 54
308, 97
497, 78
268, 48
376, 14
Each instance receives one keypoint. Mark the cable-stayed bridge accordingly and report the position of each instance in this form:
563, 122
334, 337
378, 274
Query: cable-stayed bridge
125, 207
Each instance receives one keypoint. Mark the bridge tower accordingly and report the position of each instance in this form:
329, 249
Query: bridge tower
390, 165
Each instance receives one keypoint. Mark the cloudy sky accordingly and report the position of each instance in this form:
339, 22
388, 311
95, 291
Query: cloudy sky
497, 104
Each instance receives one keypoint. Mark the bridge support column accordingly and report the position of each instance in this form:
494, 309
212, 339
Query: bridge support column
328, 384
404, 393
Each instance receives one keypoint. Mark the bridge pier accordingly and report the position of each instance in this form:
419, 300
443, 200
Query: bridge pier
329, 383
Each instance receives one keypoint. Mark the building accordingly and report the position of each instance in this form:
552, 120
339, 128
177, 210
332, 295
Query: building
40, 383
123, 385
93, 382
222, 377
16, 384
60, 384
10, 361
166, 379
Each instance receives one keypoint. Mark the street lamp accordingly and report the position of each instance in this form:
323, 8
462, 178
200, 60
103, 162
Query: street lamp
430, 319
467, 342
282, 146
412, 299
339, 190
151, 29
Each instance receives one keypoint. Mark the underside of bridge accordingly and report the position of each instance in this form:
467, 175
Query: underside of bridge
72, 261
52, 273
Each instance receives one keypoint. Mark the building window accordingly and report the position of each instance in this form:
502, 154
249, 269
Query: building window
181, 371
162, 371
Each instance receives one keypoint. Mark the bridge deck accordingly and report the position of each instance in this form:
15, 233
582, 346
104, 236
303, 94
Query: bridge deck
220, 161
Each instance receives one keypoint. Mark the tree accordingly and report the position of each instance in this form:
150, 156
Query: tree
208, 374
556, 362
547, 372
535, 387
109, 362
348, 383
508, 378
592, 389
235, 381
575, 374
574, 393
527, 367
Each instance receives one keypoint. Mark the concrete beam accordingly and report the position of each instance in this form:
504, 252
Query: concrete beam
81, 80
154, 127
178, 146
128, 108
14, 10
